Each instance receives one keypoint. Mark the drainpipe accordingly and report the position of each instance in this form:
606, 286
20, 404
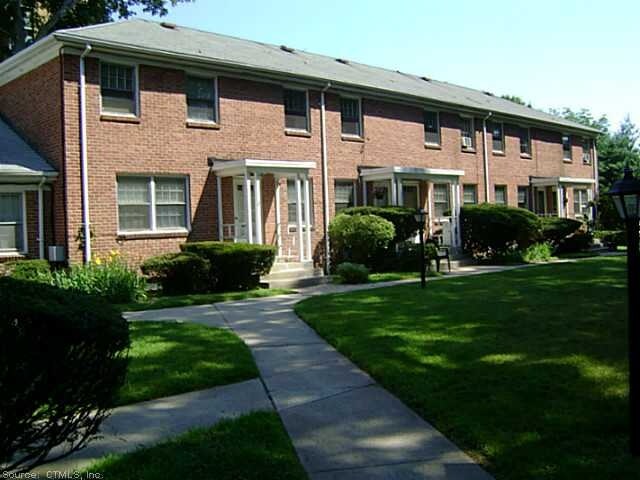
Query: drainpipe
86, 228
325, 178
41, 219
485, 156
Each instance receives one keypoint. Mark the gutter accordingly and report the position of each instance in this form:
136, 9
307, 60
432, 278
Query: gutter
325, 178
86, 228
485, 156
41, 218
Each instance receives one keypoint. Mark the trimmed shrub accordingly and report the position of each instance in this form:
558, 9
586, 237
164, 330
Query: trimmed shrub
407, 258
555, 229
489, 230
538, 252
360, 238
62, 362
353, 272
234, 266
611, 238
402, 218
182, 272
33, 270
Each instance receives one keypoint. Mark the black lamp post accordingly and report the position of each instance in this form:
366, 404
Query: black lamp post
420, 217
626, 196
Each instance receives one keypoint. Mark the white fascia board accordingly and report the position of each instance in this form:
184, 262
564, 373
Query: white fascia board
250, 165
29, 59
590, 181
371, 173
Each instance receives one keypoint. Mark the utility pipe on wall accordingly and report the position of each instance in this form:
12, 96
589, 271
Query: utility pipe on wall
41, 219
325, 178
86, 226
485, 156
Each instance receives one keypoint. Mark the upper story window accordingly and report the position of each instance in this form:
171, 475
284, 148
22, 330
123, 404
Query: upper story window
470, 194
586, 151
441, 204
344, 194
351, 116
525, 141
523, 197
500, 194
201, 99
566, 147
497, 136
467, 133
118, 89
12, 222
296, 110
431, 128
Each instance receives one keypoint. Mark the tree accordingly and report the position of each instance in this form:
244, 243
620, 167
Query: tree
584, 117
23, 22
516, 99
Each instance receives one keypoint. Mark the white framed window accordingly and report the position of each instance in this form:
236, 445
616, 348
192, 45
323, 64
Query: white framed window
119, 89
296, 109
292, 202
580, 203
153, 204
566, 147
497, 137
469, 194
441, 205
344, 194
500, 194
525, 141
202, 99
523, 197
351, 116
586, 151
13, 223
467, 133
431, 127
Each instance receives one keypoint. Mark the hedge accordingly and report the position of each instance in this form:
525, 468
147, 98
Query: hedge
360, 238
35, 270
565, 234
62, 362
180, 272
234, 266
403, 219
353, 273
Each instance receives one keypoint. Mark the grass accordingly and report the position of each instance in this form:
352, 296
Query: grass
170, 358
156, 301
526, 370
391, 276
254, 446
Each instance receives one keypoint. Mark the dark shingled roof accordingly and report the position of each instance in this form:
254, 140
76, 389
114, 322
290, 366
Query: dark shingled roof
17, 157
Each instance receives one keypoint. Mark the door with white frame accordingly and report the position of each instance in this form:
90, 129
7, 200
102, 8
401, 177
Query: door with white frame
239, 220
410, 194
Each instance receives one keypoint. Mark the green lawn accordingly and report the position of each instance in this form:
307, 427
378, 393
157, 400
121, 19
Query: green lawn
156, 301
526, 370
254, 446
170, 358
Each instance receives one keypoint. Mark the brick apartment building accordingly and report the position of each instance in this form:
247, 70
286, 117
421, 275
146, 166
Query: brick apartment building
149, 134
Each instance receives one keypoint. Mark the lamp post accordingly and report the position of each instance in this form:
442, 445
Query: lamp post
420, 216
626, 196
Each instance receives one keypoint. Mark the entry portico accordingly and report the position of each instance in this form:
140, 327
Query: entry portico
549, 196
247, 177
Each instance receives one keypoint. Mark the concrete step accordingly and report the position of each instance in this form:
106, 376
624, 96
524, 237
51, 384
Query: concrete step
297, 282
293, 273
280, 266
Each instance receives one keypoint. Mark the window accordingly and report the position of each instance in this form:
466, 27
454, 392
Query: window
292, 202
351, 116
344, 194
118, 89
497, 136
470, 194
12, 222
441, 200
580, 202
296, 110
523, 197
566, 147
431, 128
467, 133
380, 194
525, 141
500, 194
586, 151
201, 99
152, 204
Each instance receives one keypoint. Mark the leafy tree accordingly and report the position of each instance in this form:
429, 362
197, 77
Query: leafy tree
516, 99
584, 117
23, 22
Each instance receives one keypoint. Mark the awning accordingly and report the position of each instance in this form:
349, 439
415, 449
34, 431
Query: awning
553, 181
282, 168
445, 175
19, 163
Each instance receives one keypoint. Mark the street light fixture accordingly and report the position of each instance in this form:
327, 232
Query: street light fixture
626, 196
420, 217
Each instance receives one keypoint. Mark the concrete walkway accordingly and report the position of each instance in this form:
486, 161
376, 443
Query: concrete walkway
343, 425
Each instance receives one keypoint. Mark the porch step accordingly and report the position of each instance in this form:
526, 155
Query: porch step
280, 266
292, 275
297, 282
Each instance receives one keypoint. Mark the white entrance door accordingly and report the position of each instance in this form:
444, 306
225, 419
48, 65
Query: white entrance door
240, 225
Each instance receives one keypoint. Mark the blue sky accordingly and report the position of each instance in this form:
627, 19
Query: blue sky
557, 54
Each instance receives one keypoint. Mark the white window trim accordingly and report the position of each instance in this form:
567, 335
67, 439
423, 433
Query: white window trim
136, 88
448, 202
216, 98
353, 190
152, 206
352, 135
568, 159
25, 236
293, 227
589, 150
306, 91
527, 198
473, 134
506, 194
504, 144
437, 112
522, 154
475, 191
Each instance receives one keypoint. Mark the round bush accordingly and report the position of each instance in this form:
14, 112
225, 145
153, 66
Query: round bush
360, 238
62, 361
180, 272
353, 273
555, 229
403, 219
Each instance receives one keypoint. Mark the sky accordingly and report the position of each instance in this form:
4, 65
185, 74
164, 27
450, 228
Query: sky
554, 54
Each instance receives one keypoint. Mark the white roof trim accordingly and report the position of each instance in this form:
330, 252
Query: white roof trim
546, 181
415, 171
29, 59
251, 165
576, 180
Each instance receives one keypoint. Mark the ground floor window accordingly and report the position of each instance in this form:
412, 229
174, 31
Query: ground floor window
155, 203
344, 194
12, 223
470, 194
523, 197
441, 205
292, 202
580, 202
500, 194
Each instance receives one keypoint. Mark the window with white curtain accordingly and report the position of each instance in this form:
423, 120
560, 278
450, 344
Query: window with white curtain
580, 202
441, 204
470, 194
201, 99
500, 194
292, 202
344, 194
118, 89
152, 203
12, 218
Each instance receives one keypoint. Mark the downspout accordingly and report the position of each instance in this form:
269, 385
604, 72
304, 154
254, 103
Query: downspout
485, 156
86, 228
325, 178
41, 219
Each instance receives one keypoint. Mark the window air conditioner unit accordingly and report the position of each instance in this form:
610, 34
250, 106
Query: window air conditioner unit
467, 142
56, 254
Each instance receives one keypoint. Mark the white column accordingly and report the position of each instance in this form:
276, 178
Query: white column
560, 201
40, 222
307, 216
299, 218
400, 192
394, 191
590, 199
257, 206
364, 192
430, 207
219, 202
278, 220
248, 217
457, 214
